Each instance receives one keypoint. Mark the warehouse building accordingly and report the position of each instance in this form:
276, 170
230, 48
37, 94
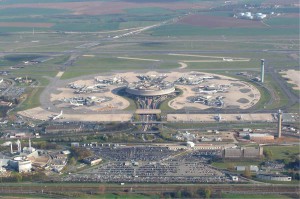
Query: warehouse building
274, 177
244, 152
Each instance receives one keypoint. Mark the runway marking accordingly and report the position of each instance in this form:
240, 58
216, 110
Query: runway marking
134, 58
191, 55
233, 60
182, 65
59, 74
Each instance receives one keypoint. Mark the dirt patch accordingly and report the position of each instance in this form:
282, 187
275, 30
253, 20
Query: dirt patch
182, 65
26, 24
237, 84
243, 101
100, 8
294, 56
217, 21
245, 90
293, 78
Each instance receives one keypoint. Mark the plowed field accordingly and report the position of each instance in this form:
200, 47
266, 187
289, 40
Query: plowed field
217, 21
100, 8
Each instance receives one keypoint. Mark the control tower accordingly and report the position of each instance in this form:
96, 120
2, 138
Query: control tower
279, 126
262, 70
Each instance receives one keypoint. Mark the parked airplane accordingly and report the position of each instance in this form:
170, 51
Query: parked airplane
55, 117
76, 103
207, 92
227, 59
218, 118
207, 77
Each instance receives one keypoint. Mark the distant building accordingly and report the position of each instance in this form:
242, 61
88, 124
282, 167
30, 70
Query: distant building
252, 152
190, 144
66, 152
274, 177
233, 153
250, 16
20, 164
235, 178
3, 103
252, 168
92, 160
260, 137
244, 152
74, 144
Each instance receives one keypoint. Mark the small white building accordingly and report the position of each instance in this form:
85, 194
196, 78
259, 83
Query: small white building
235, 178
252, 168
92, 160
190, 144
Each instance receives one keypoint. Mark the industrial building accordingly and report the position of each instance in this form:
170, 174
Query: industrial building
245, 152
251, 16
252, 168
260, 137
20, 164
92, 160
190, 144
274, 177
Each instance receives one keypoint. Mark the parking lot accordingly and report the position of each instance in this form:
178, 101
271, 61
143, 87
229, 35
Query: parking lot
151, 164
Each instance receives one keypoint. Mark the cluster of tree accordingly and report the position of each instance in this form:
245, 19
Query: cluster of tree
166, 136
45, 145
293, 162
3, 111
79, 153
26, 177
247, 172
113, 126
190, 193
101, 138
69, 139
268, 154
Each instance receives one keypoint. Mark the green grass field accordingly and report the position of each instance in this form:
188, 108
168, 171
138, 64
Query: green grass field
33, 94
281, 99
226, 164
188, 30
280, 21
95, 65
283, 152
253, 196
83, 196
148, 11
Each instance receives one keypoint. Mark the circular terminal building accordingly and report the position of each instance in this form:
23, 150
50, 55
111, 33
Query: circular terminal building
150, 86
